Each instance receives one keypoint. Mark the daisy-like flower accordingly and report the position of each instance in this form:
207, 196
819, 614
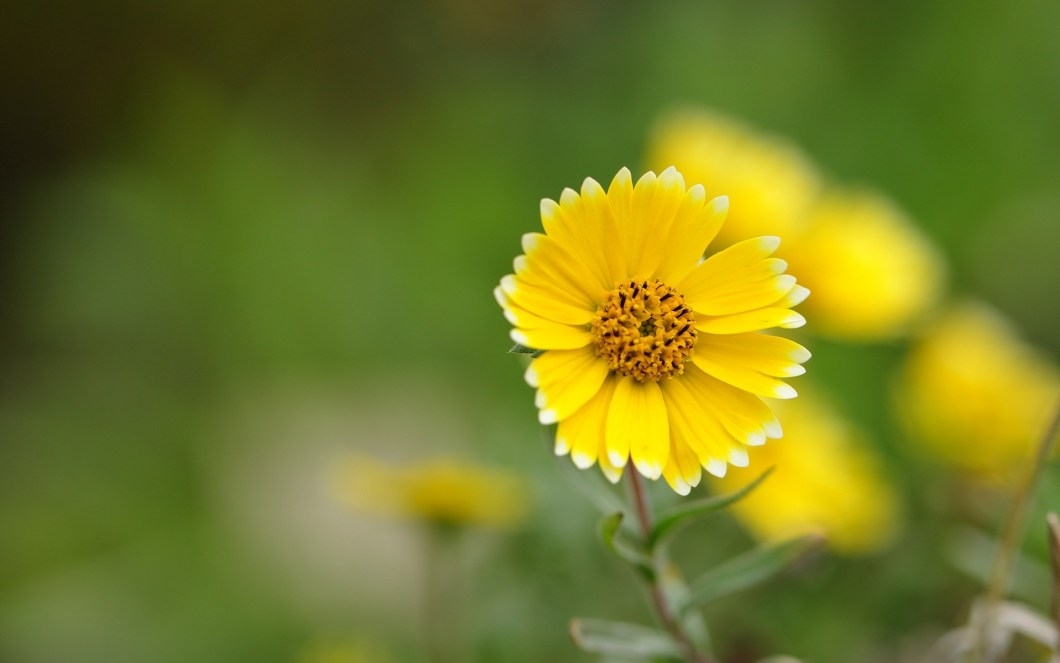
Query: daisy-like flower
651, 354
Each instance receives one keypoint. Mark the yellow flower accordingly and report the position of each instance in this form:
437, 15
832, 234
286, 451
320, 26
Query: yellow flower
872, 272
826, 480
348, 650
442, 491
974, 395
651, 353
768, 180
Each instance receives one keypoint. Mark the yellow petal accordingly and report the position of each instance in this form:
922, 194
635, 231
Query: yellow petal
544, 302
584, 227
740, 278
655, 202
620, 196
545, 256
583, 431
742, 415
742, 377
682, 471
763, 318
637, 426
566, 380
693, 426
694, 227
771, 355
559, 337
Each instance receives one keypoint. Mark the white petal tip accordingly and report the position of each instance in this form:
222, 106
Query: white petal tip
755, 440
797, 295
769, 243
793, 321
794, 371
519, 337
720, 204
562, 447
773, 430
547, 417
582, 461
648, 470
801, 355
681, 487
548, 207
531, 377
539, 400
612, 474
617, 459
568, 197
785, 392
716, 467
739, 458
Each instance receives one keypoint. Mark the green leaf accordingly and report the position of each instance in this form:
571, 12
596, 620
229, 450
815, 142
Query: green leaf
609, 527
750, 569
683, 513
523, 350
599, 636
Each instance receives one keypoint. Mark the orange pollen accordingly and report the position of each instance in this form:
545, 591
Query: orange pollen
644, 330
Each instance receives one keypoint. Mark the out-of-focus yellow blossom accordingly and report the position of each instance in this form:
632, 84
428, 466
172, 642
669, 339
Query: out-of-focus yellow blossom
351, 650
872, 272
825, 480
974, 395
441, 491
769, 182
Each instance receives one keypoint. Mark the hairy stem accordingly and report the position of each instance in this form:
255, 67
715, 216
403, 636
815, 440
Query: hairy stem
658, 596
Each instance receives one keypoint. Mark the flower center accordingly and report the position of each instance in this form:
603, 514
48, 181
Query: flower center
644, 330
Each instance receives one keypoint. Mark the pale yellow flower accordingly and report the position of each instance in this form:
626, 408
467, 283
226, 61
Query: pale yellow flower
826, 480
442, 491
974, 395
872, 271
769, 181
652, 354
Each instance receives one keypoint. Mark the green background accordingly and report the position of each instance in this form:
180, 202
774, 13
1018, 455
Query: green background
241, 241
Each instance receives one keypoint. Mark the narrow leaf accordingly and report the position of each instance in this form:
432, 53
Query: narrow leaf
599, 636
680, 515
523, 350
749, 569
609, 527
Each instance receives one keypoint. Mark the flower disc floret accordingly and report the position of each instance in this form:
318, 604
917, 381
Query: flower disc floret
644, 330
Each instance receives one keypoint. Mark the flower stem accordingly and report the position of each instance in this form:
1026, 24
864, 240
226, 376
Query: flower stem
1012, 535
658, 596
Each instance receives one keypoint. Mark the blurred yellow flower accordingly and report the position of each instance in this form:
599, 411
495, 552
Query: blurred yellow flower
974, 395
769, 182
441, 491
826, 480
652, 354
349, 650
872, 272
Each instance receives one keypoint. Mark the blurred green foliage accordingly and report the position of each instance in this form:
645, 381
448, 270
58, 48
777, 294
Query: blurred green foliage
240, 240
